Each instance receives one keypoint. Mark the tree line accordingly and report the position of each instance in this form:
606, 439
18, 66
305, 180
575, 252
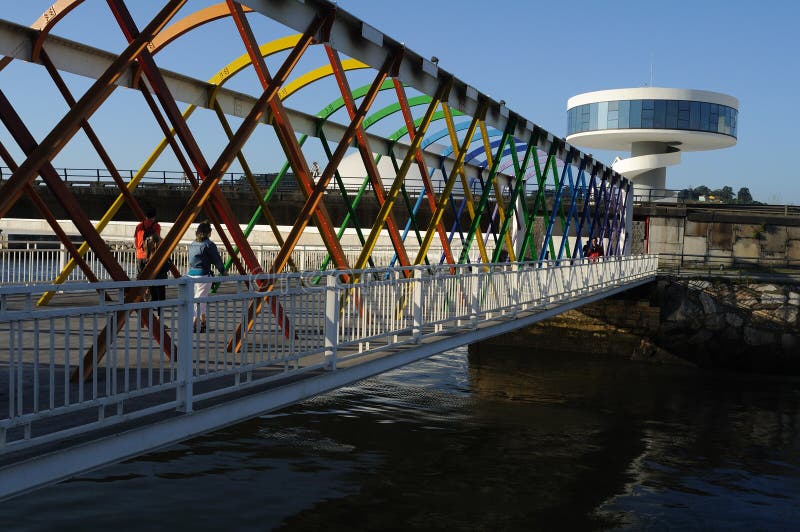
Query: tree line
721, 195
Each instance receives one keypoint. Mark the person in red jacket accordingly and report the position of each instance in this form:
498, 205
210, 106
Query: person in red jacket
147, 227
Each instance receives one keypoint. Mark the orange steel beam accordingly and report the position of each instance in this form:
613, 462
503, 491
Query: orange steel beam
206, 188
92, 136
51, 220
423, 168
288, 140
98, 146
73, 209
444, 197
187, 170
291, 147
60, 135
190, 22
60, 191
390, 64
248, 125
367, 156
252, 181
44, 24
219, 202
441, 93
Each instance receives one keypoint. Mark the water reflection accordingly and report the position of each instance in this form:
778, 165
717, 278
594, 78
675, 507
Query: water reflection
515, 441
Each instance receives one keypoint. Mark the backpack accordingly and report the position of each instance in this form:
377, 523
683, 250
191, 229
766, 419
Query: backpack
148, 232
141, 237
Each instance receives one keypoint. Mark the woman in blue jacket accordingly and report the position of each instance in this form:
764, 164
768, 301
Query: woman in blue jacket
203, 253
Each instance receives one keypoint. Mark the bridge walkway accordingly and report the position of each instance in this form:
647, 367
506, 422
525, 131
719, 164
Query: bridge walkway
137, 399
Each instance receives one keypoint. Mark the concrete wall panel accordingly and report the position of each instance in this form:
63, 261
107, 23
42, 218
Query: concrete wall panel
666, 230
721, 236
695, 245
793, 251
773, 239
695, 228
746, 230
746, 248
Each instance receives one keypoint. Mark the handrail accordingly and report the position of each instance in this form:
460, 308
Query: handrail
333, 324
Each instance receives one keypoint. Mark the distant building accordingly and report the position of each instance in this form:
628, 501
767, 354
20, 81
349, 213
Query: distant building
654, 124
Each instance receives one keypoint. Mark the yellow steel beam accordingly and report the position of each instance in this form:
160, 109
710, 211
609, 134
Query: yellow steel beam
227, 72
394, 191
451, 181
459, 170
498, 192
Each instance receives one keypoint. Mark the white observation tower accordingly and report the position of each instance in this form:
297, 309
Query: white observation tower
654, 124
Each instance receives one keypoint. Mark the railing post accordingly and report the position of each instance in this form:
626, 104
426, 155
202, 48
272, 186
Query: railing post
185, 347
331, 321
476, 297
416, 306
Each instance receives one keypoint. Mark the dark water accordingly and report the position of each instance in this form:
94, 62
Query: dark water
521, 442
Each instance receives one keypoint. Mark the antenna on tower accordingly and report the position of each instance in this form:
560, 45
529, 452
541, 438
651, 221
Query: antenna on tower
651, 69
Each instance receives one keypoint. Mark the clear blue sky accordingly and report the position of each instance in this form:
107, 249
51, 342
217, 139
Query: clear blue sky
535, 55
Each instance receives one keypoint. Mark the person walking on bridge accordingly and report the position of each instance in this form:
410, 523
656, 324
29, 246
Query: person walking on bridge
147, 227
157, 292
203, 253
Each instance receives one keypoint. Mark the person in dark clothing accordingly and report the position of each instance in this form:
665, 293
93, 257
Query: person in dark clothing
598, 247
157, 292
145, 228
203, 254
595, 250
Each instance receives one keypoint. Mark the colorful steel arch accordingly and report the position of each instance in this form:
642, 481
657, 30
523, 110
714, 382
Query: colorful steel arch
512, 190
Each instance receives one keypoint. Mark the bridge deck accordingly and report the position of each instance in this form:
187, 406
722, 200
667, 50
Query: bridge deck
139, 399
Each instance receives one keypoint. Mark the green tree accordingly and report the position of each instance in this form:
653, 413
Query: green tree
702, 190
724, 194
743, 196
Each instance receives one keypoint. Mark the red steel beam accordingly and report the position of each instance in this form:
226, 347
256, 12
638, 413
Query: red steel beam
366, 155
288, 140
188, 171
423, 168
291, 147
70, 204
51, 220
60, 135
248, 125
170, 107
198, 198
391, 64
98, 146
92, 136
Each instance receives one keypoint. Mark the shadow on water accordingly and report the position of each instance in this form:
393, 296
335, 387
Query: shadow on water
514, 441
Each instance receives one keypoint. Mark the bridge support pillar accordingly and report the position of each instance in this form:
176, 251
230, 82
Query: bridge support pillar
416, 308
185, 354
476, 298
331, 321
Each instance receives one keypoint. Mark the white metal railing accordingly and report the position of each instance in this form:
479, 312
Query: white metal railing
306, 322
28, 262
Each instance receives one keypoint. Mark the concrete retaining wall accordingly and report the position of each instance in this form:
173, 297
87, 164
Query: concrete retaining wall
743, 325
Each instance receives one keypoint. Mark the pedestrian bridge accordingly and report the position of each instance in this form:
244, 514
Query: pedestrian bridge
99, 376
496, 213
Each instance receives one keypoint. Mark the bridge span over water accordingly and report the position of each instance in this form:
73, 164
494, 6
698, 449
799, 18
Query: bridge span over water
74, 396
93, 373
